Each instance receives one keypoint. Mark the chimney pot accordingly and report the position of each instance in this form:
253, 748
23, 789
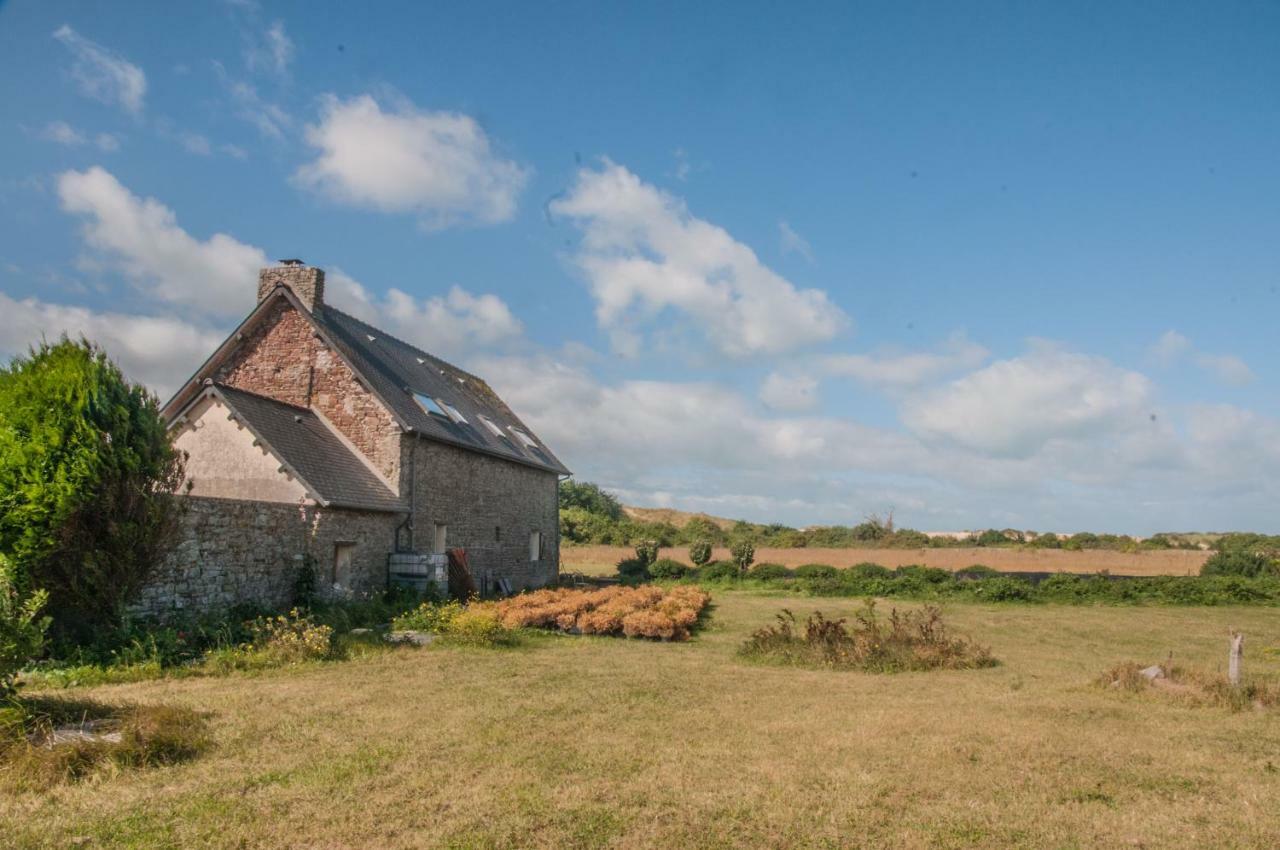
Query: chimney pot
305, 282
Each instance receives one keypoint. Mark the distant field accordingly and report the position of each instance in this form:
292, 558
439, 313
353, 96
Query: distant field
601, 560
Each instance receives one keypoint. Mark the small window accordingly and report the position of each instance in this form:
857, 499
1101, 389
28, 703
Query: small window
535, 546
440, 538
488, 423
524, 438
497, 534
453, 413
343, 557
429, 404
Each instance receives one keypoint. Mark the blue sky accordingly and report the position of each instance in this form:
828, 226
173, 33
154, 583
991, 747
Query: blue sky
980, 264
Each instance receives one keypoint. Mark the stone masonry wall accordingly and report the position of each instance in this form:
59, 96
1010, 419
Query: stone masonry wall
489, 507
240, 551
283, 359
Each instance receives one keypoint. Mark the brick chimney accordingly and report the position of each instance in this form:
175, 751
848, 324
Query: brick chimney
306, 282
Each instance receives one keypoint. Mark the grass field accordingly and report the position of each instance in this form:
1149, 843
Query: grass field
603, 560
599, 742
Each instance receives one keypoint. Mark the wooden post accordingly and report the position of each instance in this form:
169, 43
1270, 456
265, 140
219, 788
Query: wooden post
1233, 661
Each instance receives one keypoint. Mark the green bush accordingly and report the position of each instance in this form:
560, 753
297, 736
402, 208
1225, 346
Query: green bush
647, 551
589, 498
434, 617
908, 538
769, 572
633, 571
667, 569
87, 473
22, 628
869, 570
700, 552
702, 529
931, 575
479, 626
743, 553
1002, 590
816, 571
278, 641
1239, 562
719, 571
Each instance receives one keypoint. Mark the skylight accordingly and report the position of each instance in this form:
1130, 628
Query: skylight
488, 423
430, 405
524, 438
453, 413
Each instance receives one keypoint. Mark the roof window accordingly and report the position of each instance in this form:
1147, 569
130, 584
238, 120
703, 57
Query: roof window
488, 423
430, 405
524, 438
453, 413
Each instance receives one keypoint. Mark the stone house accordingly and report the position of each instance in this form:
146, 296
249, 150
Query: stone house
315, 438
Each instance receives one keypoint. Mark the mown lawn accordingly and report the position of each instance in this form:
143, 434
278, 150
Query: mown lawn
597, 742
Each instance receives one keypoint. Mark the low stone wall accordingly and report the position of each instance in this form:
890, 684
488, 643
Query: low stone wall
233, 551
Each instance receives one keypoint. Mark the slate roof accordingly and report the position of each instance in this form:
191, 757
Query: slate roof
396, 369
311, 450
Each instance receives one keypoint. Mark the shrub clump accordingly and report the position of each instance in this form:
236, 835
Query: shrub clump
743, 553
866, 569
905, 640
22, 628
476, 624
816, 571
1244, 562
631, 611
719, 571
279, 641
667, 569
87, 473
700, 552
633, 571
770, 572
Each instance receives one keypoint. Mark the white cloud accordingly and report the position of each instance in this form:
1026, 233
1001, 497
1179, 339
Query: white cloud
159, 351
63, 133
271, 120
1016, 407
437, 165
642, 252
1226, 368
103, 75
141, 237
1169, 347
903, 371
448, 325
789, 392
792, 242
196, 144
270, 50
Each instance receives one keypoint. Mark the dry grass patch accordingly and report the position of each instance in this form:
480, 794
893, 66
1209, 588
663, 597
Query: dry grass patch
48, 741
630, 745
648, 611
906, 640
1191, 687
